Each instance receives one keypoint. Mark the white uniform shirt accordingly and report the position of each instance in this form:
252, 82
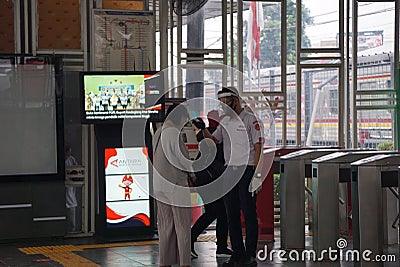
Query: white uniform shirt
104, 99
239, 134
114, 100
97, 102
124, 100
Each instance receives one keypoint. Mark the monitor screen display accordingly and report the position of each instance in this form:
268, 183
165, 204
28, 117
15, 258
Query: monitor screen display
111, 96
30, 119
127, 187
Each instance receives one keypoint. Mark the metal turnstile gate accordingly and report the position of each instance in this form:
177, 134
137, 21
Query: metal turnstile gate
294, 168
331, 177
370, 203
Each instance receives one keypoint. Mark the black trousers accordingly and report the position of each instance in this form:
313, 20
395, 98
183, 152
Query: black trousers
212, 211
239, 198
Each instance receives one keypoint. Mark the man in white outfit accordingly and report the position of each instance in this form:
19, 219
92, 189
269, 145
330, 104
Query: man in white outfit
70, 191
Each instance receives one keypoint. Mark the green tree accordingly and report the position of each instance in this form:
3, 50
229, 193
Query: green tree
385, 146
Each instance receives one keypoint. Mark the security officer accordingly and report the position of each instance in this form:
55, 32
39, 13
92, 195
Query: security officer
242, 137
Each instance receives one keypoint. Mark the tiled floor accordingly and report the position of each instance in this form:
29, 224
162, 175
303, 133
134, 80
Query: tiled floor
92, 252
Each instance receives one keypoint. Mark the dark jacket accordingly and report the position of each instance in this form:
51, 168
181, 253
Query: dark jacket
215, 169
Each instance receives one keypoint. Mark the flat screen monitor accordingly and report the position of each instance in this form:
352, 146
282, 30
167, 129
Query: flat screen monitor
127, 187
31, 121
115, 96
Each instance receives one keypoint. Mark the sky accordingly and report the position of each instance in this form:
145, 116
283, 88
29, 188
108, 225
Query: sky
372, 16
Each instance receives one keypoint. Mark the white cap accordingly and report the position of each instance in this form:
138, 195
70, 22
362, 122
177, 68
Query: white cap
227, 92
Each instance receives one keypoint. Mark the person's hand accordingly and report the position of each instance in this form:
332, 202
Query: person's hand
256, 184
199, 123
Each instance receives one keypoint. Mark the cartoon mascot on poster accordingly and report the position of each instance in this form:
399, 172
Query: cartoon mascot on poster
127, 181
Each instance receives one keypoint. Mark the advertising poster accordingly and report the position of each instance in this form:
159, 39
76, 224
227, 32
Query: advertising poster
127, 187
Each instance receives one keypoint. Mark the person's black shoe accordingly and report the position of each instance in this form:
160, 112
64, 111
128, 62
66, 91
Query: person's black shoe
224, 252
247, 261
233, 261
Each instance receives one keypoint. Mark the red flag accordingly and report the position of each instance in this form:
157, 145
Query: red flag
256, 32
255, 25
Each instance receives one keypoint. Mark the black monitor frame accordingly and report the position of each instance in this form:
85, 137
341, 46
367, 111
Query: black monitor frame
56, 61
109, 136
153, 117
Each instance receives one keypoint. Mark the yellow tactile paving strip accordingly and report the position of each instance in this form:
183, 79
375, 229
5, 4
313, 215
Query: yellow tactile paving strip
64, 254
307, 234
61, 254
124, 244
207, 238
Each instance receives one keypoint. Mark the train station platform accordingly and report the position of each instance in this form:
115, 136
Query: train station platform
90, 251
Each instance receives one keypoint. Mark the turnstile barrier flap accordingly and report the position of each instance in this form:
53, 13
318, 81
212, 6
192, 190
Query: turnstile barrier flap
307, 153
349, 157
330, 157
343, 161
296, 154
378, 160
